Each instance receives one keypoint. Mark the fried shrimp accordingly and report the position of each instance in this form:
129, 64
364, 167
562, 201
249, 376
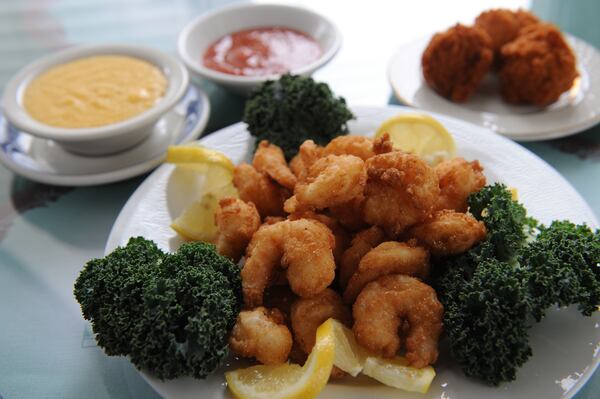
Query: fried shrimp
401, 191
303, 247
269, 159
308, 154
342, 238
331, 180
309, 313
387, 258
359, 146
262, 334
449, 233
457, 180
362, 243
383, 144
236, 222
385, 304
254, 186
349, 214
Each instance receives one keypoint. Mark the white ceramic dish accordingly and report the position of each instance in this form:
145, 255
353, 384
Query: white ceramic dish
43, 161
565, 344
104, 139
576, 110
199, 34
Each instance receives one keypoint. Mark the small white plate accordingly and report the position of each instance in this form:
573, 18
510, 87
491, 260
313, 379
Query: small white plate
44, 161
575, 111
565, 344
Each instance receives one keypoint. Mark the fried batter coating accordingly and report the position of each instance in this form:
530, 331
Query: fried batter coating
349, 214
537, 67
304, 247
308, 154
254, 186
309, 313
331, 180
236, 222
383, 144
269, 159
342, 238
385, 304
387, 258
449, 233
362, 243
401, 191
503, 25
262, 334
455, 61
458, 179
359, 146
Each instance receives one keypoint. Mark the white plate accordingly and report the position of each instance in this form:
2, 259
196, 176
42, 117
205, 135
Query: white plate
44, 161
575, 111
565, 344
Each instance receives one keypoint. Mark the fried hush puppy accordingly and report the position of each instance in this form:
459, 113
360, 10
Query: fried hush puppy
537, 67
261, 333
503, 25
455, 61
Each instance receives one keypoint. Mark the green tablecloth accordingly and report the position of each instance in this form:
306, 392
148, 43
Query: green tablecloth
47, 233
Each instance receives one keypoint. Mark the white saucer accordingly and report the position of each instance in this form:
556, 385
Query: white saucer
46, 162
576, 110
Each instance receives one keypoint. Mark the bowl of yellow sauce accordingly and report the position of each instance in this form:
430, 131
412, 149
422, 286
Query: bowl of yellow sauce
95, 100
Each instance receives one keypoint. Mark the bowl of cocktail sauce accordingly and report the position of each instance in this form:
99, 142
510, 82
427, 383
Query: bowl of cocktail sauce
242, 45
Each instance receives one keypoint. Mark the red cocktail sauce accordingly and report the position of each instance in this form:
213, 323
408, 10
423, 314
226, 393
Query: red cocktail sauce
262, 51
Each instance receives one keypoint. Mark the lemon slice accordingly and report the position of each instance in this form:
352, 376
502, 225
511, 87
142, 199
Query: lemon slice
396, 373
197, 221
206, 176
421, 135
349, 355
288, 380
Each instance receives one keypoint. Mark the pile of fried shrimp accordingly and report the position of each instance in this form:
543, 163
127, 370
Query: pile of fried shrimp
346, 231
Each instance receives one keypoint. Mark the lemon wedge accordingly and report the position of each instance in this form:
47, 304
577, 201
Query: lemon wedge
349, 355
421, 135
396, 373
288, 380
206, 175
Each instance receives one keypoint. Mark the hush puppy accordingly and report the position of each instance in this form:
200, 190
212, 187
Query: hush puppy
537, 67
455, 61
504, 25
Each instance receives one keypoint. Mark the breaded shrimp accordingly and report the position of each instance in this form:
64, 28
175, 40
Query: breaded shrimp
449, 233
455, 61
401, 191
262, 334
458, 179
257, 188
342, 238
308, 154
282, 298
349, 214
383, 144
387, 258
537, 67
309, 313
362, 243
269, 159
303, 247
359, 146
331, 180
385, 304
236, 222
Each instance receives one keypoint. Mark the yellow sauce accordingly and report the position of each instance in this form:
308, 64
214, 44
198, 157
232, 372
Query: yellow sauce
94, 91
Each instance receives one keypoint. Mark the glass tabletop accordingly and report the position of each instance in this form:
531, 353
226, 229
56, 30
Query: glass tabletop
47, 233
